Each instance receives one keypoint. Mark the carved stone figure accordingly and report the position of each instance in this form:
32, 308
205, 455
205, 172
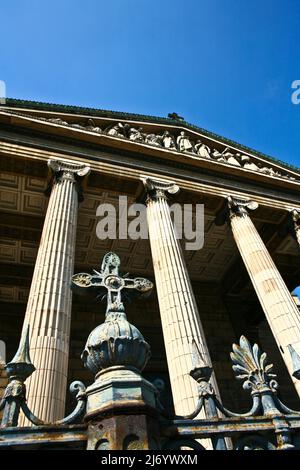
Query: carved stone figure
92, 127
183, 143
229, 157
233, 161
116, 131
78, 126
126, 128
202, 150
216, 154
168, 140
58, 121
136, 134
153, 139
267, 171
247, 163
288, 177
219, 156
226, 157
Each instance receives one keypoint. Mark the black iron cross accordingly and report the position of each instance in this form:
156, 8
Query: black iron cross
108, 283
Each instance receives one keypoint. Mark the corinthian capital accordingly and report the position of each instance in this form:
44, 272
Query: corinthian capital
239, 207
156, 188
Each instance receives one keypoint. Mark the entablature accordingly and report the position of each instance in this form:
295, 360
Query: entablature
171, 143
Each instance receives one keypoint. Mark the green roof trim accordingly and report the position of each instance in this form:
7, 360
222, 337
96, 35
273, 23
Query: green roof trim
62, 108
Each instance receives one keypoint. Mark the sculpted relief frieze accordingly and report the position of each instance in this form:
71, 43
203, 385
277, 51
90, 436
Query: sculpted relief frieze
179, 141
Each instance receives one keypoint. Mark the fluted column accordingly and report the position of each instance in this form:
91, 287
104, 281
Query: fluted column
49, 305
178, 310
277, 303
296, 222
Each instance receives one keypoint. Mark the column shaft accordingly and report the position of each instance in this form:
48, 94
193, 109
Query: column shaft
179, 314
276, 301
49, 305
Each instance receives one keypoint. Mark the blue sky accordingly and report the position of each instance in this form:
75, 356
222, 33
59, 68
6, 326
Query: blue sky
225, 65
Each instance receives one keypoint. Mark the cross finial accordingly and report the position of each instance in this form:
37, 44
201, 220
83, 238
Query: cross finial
108, 283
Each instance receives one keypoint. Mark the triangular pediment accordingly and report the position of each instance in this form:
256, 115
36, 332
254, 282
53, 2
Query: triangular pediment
170, 138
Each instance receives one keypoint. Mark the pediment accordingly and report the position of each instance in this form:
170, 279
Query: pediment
166, 138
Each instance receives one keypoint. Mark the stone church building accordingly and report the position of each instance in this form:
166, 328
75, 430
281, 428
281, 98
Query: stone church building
58, 164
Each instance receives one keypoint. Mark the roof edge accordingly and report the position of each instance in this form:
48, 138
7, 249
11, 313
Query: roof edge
63, 108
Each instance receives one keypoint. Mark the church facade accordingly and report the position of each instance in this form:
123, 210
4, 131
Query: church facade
64, 171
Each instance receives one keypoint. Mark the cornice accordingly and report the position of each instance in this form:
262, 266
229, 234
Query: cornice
119, 115
219, 158
131, 168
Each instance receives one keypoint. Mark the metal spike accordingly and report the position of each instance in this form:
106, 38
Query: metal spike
201, 371
21, 364
295, 361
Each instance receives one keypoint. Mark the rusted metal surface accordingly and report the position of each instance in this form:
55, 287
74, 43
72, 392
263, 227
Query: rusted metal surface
268, 415
124, 432
43, 436
226, 426
128, 407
